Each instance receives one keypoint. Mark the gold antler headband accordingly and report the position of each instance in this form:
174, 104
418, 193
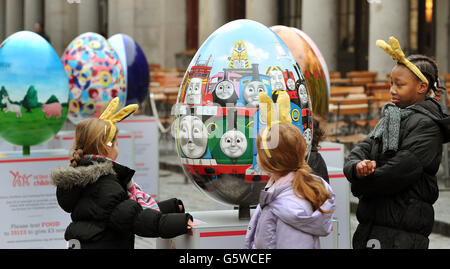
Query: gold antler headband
109, 116
267, 109
397, 54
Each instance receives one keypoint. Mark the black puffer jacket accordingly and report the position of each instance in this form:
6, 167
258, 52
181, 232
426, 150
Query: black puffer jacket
95, 193
395, 202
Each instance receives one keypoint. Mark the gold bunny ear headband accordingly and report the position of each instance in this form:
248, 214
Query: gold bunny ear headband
109, 116
397, 54
267, 109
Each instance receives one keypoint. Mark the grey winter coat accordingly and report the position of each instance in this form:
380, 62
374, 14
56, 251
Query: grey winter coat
282, 220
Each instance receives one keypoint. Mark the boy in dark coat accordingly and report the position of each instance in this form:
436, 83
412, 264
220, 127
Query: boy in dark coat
393, 171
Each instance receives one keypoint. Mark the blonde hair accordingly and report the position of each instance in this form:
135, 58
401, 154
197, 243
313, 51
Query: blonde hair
288, 156
90, 138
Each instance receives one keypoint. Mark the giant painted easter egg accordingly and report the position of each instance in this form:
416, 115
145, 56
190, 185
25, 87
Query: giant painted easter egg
95, 76
34, 90
312, 64
135, 66
217, 115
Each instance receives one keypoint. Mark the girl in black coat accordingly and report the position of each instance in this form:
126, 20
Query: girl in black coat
93, 189
393, 171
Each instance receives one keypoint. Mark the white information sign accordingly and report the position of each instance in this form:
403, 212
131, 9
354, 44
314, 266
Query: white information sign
31, 216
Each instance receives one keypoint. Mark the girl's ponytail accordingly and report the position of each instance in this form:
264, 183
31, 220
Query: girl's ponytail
308, 187
288, 156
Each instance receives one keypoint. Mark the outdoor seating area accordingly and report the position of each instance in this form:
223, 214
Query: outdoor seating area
355, 104
164, 86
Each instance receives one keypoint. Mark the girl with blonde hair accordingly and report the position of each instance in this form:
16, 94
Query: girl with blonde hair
296, 207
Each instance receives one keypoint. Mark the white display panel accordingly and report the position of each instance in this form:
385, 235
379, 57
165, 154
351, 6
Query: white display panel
31, 216
146, 154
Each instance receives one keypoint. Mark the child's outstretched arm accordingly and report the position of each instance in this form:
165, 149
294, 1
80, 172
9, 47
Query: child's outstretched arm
129, 215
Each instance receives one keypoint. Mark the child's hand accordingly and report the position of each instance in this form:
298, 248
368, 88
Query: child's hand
365, 168
191, 224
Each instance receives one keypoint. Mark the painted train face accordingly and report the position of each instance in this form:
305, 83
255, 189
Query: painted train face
233, 144
251, 92
217, 114
193, 137
194, 92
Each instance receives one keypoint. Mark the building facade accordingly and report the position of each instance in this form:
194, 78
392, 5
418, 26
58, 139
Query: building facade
344, 30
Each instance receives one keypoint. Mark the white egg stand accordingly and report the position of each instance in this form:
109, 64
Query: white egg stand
32, 217
222, 229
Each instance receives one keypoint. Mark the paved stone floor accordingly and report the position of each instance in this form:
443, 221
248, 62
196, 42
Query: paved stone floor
172, 184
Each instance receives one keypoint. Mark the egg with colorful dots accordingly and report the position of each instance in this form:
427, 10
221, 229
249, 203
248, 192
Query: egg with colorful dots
95, 75
34, 90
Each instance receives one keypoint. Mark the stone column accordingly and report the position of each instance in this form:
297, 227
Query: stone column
320, 22
262, 11
122, 16
55, 14
387, 18
212, 15
88, 20
14, 16
443, 36
2, 20
33, 12
113, 24
173, 30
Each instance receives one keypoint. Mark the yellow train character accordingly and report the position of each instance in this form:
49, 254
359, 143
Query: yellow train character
239, 58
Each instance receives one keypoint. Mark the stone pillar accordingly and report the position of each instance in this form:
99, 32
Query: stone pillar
443, 36
387, 18
113, 24
33, 12
320, 22
2, 20
262, 11
14, 16
122, 16
88, 20
173, 31
212, 15
54, 13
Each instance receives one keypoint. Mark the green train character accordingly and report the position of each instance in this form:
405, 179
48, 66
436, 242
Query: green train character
230, 137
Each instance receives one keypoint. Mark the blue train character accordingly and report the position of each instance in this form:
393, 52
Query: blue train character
296, 116
251, 84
